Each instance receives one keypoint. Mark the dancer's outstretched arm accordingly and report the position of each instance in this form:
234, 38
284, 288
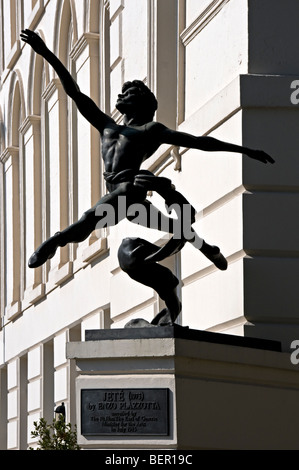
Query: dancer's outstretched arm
209, 144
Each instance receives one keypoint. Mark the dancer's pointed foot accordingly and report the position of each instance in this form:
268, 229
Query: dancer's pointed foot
219, 261
46, 251
217, 258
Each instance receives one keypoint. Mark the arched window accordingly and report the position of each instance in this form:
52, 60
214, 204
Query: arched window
2, 133
11, 208
72, 123
44, 142
1, 39
31, 193
60, 172
2, 254
11, 28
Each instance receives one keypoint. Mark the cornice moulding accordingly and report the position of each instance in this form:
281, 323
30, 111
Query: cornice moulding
31, 120
86, 40
53, 86
8, 152
202, 20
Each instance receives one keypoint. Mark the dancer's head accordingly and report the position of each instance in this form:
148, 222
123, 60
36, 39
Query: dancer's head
137, 100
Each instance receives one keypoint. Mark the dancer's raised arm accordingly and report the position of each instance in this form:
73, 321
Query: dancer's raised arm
86, 105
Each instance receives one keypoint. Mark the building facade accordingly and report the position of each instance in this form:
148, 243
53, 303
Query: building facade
224, 68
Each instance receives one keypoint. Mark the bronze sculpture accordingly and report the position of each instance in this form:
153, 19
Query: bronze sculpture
124, 148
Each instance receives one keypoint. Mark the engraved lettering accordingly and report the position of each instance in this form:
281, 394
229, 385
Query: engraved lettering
114, 396
124, 412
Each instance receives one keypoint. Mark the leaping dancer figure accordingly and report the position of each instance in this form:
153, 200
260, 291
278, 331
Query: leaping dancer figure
124, 148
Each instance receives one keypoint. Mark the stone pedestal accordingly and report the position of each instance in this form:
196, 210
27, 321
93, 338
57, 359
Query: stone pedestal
176, 388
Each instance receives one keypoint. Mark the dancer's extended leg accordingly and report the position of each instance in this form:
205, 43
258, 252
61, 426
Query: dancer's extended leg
75, 233
81, 229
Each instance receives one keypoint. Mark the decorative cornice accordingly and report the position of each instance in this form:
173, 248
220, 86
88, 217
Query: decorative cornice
202, 20
8, 152
53, 86
30, 121
86, 40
